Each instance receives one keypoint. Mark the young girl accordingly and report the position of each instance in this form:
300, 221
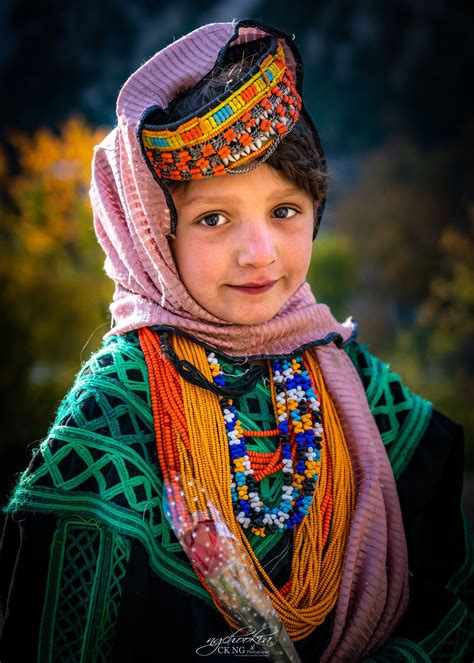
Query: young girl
231, 467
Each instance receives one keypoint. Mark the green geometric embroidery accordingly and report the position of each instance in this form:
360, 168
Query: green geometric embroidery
116, 574
68, 595
83, 558
462, 583
398, 650
401, 416
76, 594
99, 460
452, 641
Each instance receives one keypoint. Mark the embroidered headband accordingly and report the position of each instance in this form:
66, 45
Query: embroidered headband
247, 121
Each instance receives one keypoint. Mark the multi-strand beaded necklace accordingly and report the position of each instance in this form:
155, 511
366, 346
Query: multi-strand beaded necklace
300, 433
191, 441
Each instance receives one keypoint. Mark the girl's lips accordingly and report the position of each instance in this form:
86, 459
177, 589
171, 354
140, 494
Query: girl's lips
254, 288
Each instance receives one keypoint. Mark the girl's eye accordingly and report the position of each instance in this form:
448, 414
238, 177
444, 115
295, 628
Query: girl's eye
284, 212
212, 220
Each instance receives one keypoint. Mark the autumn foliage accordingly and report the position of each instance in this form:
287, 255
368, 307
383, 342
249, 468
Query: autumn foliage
54, 295
50, 264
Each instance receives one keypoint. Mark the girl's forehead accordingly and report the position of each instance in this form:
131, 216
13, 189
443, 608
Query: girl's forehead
261, 183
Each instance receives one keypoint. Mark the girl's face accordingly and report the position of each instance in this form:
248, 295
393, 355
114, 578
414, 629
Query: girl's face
243, 243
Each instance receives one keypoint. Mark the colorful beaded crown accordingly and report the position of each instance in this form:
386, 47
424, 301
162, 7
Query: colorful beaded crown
242, 124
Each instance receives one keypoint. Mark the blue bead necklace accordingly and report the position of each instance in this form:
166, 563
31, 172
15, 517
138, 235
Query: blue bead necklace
297, 412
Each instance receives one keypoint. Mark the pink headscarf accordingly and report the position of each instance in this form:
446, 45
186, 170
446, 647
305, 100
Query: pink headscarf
132, 222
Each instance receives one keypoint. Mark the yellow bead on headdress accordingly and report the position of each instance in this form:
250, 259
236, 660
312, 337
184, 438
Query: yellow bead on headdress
239, 126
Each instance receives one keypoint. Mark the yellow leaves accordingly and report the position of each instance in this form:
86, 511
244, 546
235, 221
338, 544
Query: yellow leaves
50, 262
51, 190
63, 156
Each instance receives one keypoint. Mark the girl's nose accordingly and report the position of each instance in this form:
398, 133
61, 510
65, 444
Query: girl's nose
256, 246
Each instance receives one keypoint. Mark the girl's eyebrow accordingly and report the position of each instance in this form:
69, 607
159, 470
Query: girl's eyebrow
216, 200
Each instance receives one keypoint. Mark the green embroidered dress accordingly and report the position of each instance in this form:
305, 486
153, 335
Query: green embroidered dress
92, 572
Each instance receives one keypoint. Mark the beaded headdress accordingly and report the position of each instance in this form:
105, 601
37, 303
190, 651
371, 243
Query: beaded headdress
243, 124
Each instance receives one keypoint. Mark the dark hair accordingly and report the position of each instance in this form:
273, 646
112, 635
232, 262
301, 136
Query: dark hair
297, 157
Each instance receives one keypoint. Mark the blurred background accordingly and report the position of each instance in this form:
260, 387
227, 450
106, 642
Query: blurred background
388, 87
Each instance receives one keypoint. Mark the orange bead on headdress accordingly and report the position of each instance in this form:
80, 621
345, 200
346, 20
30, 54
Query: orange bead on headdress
245, 123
